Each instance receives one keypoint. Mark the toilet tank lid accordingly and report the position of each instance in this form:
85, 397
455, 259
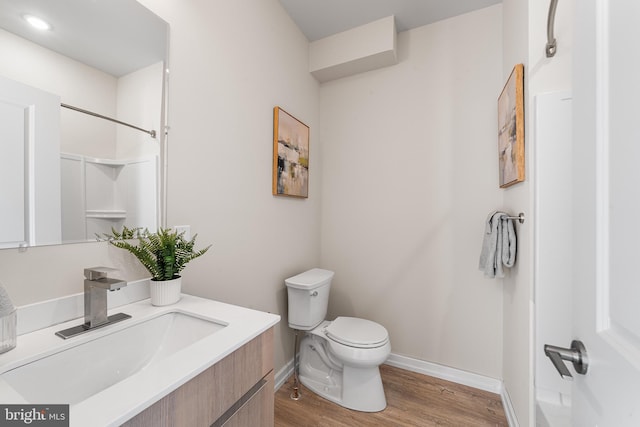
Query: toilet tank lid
310, 279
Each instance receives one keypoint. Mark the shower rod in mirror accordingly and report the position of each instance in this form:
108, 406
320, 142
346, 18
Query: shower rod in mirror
91, 113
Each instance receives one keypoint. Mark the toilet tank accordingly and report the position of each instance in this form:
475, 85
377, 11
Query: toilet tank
308, 295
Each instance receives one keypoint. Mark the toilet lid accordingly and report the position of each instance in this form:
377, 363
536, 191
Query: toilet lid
356, 332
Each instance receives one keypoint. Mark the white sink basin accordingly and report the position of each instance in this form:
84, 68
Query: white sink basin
74, 374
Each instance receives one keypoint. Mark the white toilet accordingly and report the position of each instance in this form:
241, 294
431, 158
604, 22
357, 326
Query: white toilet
339, 359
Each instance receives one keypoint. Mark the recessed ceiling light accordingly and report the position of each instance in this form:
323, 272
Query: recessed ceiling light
38, 23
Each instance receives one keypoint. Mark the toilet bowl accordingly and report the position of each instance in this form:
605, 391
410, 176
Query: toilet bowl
338, 360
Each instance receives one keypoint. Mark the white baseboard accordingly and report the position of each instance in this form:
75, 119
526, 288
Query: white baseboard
283, 374
434, 370
509, 412
460, 377
446, 373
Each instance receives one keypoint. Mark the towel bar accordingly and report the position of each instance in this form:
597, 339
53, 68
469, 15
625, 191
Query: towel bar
520, 217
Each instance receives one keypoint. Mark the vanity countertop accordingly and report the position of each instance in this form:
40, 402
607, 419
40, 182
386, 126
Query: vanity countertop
123, 400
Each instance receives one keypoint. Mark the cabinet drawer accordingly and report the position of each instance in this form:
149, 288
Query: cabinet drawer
207, 397
254, 409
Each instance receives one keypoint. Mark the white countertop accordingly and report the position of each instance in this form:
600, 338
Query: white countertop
123, 400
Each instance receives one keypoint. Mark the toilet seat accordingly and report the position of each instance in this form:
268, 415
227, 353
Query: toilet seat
355, 332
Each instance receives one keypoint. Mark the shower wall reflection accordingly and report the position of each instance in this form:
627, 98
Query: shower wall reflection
108, 175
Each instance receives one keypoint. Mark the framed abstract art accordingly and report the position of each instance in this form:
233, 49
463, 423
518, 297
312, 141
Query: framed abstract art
511, 129
290, 155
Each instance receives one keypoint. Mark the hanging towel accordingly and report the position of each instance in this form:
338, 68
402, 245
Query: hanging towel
8, 319
498, 246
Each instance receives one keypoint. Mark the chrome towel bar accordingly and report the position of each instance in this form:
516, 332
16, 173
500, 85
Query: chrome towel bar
520, 217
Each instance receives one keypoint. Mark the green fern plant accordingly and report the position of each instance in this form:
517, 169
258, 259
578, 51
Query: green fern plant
164, 253
125, 234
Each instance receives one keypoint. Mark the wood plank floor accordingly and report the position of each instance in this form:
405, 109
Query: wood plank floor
412, 400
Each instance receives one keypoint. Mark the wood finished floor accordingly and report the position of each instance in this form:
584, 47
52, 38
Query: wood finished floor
412, 400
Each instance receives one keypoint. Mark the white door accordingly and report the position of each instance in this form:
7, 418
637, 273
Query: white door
606, 211
29, 165
14, 230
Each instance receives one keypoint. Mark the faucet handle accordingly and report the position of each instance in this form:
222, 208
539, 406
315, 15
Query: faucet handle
97, 273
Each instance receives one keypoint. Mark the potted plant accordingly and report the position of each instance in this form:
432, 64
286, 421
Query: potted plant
164, 254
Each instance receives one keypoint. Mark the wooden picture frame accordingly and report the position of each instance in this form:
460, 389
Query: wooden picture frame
290, 155
511, 129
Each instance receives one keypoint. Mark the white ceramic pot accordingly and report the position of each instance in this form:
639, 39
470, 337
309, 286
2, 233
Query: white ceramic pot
165, 292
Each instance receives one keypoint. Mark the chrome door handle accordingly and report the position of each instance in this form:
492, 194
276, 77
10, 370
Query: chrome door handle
577, 355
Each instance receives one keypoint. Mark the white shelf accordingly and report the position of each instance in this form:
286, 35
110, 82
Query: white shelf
105, 162
106, 214
105, 193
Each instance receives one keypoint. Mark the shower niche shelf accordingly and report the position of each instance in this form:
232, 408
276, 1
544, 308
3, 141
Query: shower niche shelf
106, 214
104, 194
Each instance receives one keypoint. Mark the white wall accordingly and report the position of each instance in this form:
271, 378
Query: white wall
47, 272
231, 62
518, 289
409, 167
139, 102
134, 98
76, 84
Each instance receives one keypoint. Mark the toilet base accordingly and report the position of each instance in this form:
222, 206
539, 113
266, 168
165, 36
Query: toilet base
355, 388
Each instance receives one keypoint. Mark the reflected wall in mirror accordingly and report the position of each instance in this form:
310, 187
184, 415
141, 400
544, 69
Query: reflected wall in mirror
67, 175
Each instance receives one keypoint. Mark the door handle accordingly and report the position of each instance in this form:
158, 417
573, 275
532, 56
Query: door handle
577, 355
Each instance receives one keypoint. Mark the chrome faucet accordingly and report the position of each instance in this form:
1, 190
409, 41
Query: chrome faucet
96, 285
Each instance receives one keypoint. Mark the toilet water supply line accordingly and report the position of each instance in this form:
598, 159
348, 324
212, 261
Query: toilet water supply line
295, 394
324, 355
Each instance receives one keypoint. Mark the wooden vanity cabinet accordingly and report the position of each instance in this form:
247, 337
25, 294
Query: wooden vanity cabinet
236, 391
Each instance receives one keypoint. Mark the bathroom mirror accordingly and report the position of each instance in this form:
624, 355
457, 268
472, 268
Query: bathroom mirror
83, 174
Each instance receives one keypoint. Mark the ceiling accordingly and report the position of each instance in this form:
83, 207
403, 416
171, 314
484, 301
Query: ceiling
141, 37
321, 18
115, 36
